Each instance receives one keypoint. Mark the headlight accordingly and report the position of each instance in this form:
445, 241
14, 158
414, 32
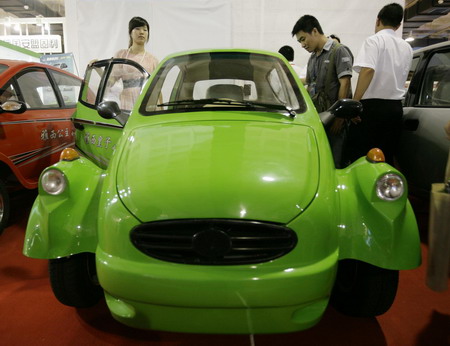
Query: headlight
390, 187
53, 182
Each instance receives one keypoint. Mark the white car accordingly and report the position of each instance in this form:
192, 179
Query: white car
424, 147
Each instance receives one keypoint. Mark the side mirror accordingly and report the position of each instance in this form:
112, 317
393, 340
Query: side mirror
111, 110
346, 108
16, 107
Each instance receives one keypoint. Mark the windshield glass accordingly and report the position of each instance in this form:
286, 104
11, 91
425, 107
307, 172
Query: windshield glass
223, 79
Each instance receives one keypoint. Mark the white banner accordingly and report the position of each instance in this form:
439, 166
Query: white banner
36, 43
101, 26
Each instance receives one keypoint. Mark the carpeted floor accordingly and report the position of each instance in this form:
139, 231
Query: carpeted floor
30, 315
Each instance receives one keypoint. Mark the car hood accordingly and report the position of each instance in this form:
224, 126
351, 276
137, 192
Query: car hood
219, 169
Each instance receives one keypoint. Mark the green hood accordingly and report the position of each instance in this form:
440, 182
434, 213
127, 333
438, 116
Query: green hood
219, 169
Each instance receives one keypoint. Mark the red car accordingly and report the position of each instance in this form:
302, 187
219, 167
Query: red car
32, 138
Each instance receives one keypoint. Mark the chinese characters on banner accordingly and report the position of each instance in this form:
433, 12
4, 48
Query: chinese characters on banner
36, 43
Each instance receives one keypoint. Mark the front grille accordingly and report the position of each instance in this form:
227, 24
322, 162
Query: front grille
213, 241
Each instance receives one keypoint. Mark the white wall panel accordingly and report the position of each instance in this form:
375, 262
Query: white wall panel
97, 29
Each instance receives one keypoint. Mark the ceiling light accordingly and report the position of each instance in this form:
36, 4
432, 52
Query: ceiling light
26, 7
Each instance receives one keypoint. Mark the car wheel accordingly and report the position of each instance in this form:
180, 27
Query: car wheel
4, 206
74, 280
363, 290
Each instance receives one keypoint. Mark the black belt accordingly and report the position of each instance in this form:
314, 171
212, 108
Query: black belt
132, 83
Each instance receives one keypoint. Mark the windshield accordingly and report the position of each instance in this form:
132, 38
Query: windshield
203, 81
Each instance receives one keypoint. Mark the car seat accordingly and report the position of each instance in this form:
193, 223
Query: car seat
226, 91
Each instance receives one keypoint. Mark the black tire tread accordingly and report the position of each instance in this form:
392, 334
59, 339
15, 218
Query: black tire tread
71, 279
371, 293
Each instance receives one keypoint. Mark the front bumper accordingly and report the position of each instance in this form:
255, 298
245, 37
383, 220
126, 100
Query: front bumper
265, 298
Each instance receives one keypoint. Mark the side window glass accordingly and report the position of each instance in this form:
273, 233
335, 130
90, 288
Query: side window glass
169, 90
91, 86
36, 90
68, 86
8, 93
435, 91
124, 85
276, 85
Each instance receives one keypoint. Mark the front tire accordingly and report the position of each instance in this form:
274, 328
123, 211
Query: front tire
4, 206
74, 280
363, 290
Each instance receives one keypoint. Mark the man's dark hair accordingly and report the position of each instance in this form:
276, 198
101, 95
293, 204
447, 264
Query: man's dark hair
307, 23
391, 15
287, 52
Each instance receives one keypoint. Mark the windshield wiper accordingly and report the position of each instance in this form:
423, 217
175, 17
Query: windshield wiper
182, 102
291, 112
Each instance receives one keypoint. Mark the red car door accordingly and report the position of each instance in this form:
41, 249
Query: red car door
32, 140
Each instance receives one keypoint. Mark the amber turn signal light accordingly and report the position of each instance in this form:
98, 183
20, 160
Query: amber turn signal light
69, 154
375, 155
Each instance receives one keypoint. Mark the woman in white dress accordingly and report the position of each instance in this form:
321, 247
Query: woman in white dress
138, 30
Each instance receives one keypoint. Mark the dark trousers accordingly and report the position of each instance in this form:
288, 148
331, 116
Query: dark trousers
380, 127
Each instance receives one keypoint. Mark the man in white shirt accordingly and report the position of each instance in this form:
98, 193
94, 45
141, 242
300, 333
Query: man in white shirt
383, 63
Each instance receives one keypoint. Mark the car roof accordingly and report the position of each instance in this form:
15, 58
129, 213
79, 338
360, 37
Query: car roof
433, 46
19, 64
223, 50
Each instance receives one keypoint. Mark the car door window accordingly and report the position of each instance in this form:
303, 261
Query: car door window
92, 82
8, 93
413, 68
69, 87
435, 90
3, 68
124, 85
37, 90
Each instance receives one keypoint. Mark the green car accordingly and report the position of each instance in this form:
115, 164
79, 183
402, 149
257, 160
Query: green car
214, 206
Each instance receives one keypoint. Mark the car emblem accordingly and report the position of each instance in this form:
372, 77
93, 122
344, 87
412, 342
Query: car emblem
211, 243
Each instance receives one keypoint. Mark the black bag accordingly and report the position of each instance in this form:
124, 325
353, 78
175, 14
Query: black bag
322, 101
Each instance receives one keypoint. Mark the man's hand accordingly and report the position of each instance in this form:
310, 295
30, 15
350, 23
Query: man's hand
356, 120
337, 126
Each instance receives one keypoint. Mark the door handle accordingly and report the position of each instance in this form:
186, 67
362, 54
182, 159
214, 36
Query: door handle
411, 124
78, 126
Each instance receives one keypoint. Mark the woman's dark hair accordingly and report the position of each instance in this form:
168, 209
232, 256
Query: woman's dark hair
287, 52
136, 22
391, 15
307, 23
333, 36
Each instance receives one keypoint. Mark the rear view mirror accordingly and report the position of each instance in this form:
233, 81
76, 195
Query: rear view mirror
16, 107
111, 110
